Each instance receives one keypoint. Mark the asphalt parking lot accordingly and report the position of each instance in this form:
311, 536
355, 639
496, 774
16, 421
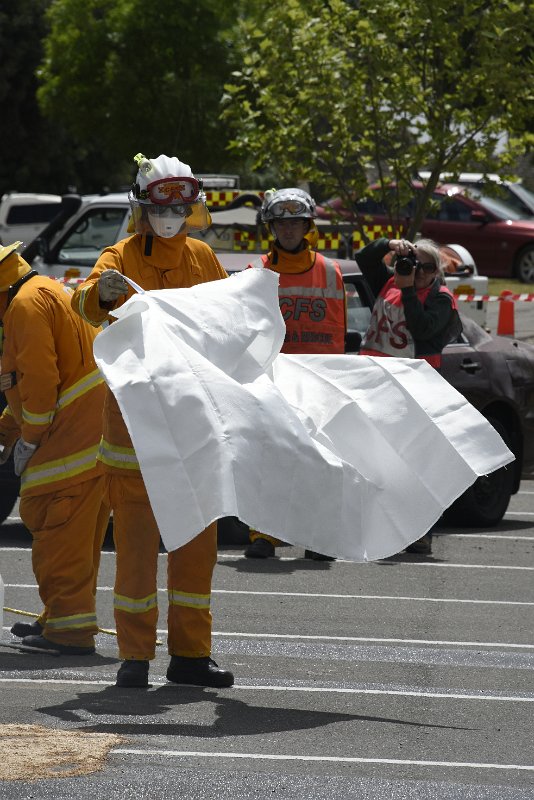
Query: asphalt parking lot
406, 678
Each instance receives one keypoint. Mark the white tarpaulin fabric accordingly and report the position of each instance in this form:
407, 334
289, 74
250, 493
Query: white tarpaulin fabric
352, 456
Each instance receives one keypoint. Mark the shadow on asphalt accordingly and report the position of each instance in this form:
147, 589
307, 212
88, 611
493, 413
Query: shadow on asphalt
19, 661
274, 566
234, 718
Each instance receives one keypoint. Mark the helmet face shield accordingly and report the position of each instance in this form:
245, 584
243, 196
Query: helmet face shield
168, 220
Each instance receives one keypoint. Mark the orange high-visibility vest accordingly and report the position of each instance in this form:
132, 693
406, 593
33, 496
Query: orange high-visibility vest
312, 304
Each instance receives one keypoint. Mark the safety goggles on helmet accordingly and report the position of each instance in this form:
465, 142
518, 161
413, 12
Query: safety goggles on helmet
295, 208
167, 191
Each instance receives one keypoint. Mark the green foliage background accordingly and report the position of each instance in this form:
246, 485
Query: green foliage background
326, 91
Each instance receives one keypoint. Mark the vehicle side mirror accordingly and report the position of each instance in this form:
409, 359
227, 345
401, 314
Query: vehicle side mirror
353, 341
479, 216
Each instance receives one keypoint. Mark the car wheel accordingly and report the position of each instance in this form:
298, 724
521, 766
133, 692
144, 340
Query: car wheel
524, 265
485, 502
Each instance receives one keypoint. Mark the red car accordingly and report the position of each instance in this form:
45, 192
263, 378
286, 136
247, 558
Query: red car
499, 239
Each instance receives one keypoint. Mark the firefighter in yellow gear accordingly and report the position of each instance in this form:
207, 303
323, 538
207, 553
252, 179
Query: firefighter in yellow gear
53, 424
167, 202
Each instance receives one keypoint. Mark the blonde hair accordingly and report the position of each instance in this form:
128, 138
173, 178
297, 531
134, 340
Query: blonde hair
431, 249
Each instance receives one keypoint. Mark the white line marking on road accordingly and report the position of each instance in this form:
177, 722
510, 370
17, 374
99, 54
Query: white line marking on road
326, 596
435, 642
375, 639
403, 564
305, 689
376, 597
509, 536
332, 759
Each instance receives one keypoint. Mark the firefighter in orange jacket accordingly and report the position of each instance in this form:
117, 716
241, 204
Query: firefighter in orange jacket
311, 295
167, 202
55, 396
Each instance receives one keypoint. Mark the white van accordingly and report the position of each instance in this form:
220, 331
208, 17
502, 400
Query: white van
23, 215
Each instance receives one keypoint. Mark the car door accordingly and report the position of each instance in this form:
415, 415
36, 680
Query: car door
450, 221
465, 369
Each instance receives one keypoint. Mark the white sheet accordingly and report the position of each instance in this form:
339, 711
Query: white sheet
352, 456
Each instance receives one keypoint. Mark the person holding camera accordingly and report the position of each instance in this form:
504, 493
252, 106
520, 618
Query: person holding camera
414, 315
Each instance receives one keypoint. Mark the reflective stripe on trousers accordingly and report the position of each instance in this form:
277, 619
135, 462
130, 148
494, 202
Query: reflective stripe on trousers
68, 527
189, 573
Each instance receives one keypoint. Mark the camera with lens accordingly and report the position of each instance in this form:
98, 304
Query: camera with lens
405, 265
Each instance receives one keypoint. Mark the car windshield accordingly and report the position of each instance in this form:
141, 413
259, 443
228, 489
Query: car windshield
525, 194
500, 208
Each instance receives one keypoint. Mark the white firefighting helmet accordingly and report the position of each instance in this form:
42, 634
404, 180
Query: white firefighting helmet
166, 198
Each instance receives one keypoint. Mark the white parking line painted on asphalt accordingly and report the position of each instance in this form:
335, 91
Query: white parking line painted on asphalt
374, 639
509, 536
332, 759
299, 636
376, 597
224, 556
404, 564
519, 514
305, 689
325, 596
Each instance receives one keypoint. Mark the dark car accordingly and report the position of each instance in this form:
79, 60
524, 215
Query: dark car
494, 373
496, 234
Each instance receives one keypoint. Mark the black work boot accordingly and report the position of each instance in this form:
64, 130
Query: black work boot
27, 629
40, 643
317, 556
198, 671
423, 546
133, 674
260, 548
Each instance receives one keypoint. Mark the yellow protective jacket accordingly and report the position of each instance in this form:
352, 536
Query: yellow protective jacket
153, 263
57, 399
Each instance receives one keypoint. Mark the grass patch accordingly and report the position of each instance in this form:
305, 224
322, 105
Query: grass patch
498, 285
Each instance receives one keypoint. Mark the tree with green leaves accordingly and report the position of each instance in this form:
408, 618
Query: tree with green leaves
34, 157
128, 76
332, 92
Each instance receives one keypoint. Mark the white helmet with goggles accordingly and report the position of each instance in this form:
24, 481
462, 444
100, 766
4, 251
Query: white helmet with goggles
287, 204
166, 198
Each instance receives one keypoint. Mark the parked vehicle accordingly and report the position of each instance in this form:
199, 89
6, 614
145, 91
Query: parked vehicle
479, 184
23, 215
499, 239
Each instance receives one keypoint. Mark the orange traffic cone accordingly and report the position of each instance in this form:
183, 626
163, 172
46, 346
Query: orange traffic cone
506, 323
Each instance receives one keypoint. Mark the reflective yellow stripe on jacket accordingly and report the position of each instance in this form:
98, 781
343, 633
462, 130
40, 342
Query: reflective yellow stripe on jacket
119, 457
59, 469
78, 389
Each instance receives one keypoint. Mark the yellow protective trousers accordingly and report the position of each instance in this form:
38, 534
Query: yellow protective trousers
68, 527
189, 573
